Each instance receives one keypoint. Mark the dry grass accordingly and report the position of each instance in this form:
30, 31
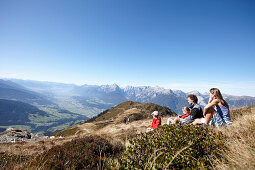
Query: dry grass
240, 138
240, 141
133, 110
31, 148
120, 132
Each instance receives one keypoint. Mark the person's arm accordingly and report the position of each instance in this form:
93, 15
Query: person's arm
152, 124
210, 105
210, 100
184, 116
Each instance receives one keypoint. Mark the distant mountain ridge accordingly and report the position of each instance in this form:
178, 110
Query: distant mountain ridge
91, 100
26, 116
12, 91
27, 109
68, 104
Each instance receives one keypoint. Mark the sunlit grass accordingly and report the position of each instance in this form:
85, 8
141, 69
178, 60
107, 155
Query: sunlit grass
238, 140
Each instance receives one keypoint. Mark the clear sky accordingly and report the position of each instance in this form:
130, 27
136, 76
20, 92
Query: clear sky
178, 44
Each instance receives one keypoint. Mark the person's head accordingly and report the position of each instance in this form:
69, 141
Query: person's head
216, 94
185, 110
192, 99
155, 114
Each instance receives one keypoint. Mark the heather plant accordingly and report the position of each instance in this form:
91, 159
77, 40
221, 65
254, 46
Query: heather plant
173, 147
89, 152
10, 161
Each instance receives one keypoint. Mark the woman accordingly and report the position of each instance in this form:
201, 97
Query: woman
216, 112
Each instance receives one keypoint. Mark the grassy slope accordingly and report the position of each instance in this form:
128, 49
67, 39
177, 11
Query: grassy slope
35, 119
240, 139
133, 110
111, 121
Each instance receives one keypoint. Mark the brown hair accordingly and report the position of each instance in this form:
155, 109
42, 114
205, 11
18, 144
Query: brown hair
186, 108
193, 97
217, 93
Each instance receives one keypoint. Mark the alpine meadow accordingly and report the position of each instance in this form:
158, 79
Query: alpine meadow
94, 84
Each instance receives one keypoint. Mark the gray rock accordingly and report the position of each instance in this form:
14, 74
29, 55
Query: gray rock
14, 135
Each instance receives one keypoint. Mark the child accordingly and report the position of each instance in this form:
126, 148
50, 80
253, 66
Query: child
180, 118
155, 122
216, 112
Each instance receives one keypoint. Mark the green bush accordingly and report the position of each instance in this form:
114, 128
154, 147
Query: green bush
173, 147
90, 152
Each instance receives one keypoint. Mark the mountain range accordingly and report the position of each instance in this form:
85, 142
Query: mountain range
27, 109
86, 101
90, 100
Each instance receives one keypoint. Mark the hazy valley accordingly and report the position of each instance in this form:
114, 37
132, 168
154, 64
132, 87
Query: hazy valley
64, 105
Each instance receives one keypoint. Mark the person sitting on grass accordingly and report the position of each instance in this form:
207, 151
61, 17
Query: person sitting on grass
180, 118
216, 112
155, 122
196, 110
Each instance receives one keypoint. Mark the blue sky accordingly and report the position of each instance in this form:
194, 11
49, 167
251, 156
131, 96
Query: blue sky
177, 44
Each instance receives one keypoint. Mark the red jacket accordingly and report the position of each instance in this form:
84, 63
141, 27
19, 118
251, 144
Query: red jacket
184, 116
155, 123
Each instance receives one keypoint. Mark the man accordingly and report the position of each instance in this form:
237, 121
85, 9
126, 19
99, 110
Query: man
196, 110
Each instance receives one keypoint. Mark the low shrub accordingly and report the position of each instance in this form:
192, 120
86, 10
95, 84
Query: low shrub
10, 161
173, 147
136, 116
89, 152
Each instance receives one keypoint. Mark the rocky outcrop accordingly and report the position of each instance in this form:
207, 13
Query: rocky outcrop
14, 135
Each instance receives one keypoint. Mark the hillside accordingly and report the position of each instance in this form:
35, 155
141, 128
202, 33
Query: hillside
13, 91
112, 121
26, 116
238, 139
133, 110
18, 113
22, 103
65, 102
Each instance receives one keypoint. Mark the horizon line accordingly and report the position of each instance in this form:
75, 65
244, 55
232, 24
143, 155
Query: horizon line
121, 86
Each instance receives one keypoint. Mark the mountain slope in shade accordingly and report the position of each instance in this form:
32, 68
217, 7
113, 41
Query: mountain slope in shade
17, 113
26, 116
13, 91
56, 118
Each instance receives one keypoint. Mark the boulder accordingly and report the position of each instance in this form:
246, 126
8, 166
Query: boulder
14, 135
